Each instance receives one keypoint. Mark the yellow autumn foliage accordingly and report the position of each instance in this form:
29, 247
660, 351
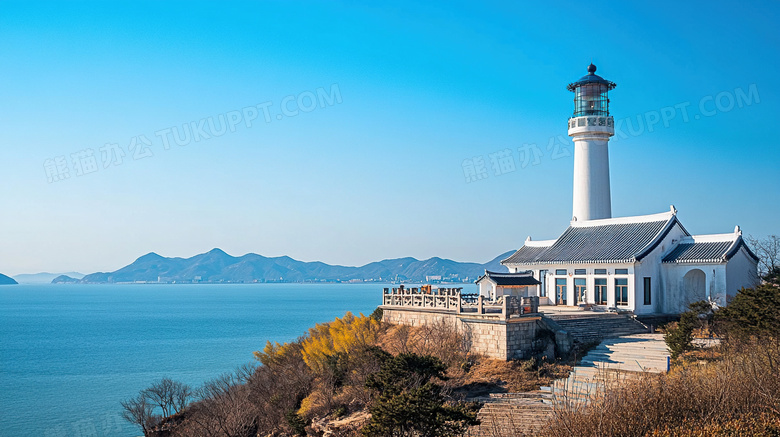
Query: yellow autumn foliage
274, 352
343, 335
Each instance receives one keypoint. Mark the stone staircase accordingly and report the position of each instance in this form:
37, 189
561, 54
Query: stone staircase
512, 414
612, 361
590, 327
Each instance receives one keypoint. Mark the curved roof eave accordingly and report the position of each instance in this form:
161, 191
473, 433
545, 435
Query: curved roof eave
738, 243
658, 238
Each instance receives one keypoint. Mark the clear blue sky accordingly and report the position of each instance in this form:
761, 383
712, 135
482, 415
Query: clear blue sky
378, 170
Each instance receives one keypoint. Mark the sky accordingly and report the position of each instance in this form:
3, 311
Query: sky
350, 132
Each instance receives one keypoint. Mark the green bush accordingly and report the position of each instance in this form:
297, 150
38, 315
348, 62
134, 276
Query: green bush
680, 335
296, 423
410, 403
752, 312
377, 314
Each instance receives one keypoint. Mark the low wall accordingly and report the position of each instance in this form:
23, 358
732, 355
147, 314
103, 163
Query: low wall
493, 337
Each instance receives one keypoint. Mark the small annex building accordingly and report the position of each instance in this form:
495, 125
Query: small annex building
493, 285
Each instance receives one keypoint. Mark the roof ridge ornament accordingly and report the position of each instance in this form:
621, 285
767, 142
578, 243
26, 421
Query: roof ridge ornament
673, 209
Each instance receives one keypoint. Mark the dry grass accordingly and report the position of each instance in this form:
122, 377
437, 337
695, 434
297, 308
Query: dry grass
441, 340
751, 425
470, 375
717, 396
491, 376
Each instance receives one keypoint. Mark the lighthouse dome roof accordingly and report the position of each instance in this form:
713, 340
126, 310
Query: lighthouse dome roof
591, 78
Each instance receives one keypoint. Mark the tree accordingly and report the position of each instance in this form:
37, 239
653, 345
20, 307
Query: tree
679, 336
754, 312
279, 385
171, 396
223, 409
773, 276
139, 411
768, 252
410, 403
704, 314
166, 394
341, 336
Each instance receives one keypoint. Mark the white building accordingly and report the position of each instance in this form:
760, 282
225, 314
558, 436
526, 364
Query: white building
493, 285
646, 264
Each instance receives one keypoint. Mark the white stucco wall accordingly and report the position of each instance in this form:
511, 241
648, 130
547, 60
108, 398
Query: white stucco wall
485, 286
492, 291
651, 267
678, 296
741, 271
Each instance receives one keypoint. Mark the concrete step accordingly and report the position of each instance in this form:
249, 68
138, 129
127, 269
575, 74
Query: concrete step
612, 360
525, 414
515, 414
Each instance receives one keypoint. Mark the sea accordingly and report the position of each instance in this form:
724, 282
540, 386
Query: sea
70, 353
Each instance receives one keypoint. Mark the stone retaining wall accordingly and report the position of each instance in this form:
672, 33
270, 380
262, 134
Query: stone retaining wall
490, 336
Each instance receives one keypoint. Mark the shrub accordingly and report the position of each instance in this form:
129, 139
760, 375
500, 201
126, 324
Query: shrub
752, 312
341, 336
279, 386
440, 339
715, 396
377, 314
679, 335
297, 423
410, 403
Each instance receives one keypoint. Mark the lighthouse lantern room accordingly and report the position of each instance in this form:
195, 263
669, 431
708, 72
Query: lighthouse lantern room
590, 127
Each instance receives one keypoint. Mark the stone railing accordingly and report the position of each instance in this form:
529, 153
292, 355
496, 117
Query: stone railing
453, 300
440, 298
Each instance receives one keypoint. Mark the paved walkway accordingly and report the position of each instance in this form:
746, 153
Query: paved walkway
614, 359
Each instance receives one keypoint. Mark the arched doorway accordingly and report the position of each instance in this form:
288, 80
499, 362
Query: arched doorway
695, 286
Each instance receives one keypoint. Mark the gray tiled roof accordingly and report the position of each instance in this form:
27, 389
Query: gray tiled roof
525, 254
617, 242
717, 251
506, 279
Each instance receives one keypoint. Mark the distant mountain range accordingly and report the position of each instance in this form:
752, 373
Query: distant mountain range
43, 277
216, 266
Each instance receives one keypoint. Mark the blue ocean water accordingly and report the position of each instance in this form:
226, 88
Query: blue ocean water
70, 353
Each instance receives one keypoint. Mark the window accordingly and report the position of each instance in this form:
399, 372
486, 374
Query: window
621, 291
580, 290
561, 272
580, 271
621, 271
601, 290
543, 285
600, 271
560, 291
647, 291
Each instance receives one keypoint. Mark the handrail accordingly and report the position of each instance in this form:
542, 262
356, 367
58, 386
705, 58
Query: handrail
453, 300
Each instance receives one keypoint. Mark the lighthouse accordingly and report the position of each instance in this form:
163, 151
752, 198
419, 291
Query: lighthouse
590, 128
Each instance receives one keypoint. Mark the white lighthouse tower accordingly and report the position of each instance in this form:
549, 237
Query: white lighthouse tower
590, 127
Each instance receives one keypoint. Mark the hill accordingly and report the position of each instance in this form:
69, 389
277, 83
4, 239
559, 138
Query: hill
216, 266
65, 279
5, 280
